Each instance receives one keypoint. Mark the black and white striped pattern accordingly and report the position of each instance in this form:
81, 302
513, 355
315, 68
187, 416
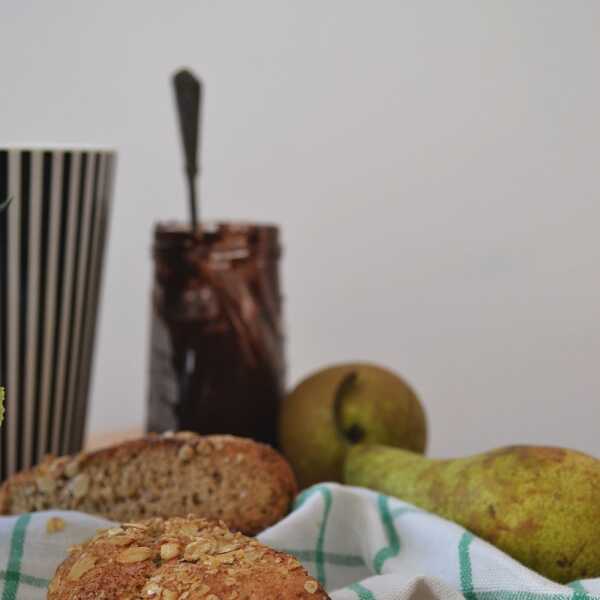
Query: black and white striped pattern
52, 239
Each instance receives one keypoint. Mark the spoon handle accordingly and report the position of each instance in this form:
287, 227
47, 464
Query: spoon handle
189, 96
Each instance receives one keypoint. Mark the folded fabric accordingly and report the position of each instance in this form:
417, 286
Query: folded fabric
361, 545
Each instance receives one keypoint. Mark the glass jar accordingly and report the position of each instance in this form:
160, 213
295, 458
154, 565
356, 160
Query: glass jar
217, 345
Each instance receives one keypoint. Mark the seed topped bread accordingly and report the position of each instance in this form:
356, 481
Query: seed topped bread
246, 484
180, 559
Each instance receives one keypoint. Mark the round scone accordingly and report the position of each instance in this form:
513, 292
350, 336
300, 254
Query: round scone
179, 559
248, 485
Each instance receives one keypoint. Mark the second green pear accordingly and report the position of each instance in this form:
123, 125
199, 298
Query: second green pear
335, 407
540, 505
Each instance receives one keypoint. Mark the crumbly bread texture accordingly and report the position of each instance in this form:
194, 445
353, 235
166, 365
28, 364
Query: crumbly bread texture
179, 559
246, 484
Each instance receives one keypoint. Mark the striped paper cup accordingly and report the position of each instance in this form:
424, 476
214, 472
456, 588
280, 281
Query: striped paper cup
52, 239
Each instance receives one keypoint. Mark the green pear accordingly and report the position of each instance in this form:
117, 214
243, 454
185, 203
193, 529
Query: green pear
539, 505
342, 405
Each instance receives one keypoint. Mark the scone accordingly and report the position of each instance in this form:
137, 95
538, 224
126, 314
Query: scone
179, 559
246, 484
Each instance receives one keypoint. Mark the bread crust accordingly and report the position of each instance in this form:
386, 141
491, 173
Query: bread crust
247, 484
180, 559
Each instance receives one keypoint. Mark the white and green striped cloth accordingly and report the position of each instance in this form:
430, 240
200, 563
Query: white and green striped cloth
361, 545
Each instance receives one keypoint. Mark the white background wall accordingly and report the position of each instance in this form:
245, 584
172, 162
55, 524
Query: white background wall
434, 166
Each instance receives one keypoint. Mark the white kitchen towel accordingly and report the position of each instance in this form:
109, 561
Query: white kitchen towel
361, 546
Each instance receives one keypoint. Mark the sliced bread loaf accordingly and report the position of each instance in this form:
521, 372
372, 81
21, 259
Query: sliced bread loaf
246, 484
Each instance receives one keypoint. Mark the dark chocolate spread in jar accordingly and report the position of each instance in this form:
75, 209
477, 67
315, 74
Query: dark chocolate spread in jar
217, 347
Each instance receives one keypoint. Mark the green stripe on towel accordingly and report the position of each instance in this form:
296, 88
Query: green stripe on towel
36, 582
393, 547
13, 570
319, 550
362, 592
330, 558
464, 559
